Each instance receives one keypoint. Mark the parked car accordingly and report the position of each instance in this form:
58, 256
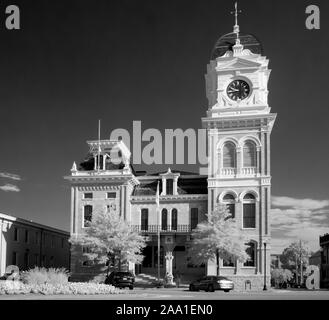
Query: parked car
212, 283
121, 279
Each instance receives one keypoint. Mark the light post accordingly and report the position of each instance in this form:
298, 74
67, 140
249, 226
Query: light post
265, 288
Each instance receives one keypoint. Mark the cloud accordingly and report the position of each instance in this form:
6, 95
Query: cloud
299, 203
293, 219
10, 176
9, 188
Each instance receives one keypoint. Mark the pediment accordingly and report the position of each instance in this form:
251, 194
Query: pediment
239, 63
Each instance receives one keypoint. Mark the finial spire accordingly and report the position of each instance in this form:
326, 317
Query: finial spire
236, 28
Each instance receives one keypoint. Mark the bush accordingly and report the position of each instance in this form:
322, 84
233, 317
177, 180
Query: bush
76, 288
39, 276
281, 277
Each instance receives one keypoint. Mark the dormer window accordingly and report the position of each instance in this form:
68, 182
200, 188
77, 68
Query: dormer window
169, 182
169, 186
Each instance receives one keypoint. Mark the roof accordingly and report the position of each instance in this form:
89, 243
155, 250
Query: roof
227, 41
188, 183
32, 224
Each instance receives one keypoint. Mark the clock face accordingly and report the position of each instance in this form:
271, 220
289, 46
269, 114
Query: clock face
238, 90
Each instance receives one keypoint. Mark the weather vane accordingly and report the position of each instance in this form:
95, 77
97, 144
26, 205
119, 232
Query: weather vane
236, 12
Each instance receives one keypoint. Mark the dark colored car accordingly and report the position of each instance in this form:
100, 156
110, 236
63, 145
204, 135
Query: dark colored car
121, 279
212, 283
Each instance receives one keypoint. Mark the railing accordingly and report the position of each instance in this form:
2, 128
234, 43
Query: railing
228, 171
248, 170
180, 228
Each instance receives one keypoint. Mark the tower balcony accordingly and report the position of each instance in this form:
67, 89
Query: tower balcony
154, 228
234, 172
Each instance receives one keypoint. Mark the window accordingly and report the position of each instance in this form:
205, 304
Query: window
251, 255
62, 243
14, 260
53, 242
249, 154
36, 259
51, 261
16, 235
169, 186
194, 217
164, 220
26, 236
229, 155
88, 211
229, 201
37, 238
44, 239
249, 211
88, 195
111, 195
144, 219
228, 262
43, 260
174, 218
26, 260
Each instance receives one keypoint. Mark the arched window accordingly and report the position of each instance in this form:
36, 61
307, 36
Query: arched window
144, 219
251, 252
229, 201
164, 219
249, 154
249, 211
229, 155
174, 219
87, 213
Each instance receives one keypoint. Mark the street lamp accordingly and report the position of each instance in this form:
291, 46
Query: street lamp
265, 288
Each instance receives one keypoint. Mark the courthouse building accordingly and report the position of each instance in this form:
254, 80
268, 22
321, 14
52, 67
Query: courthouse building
239, 122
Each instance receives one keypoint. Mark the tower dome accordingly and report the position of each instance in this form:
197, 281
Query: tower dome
226, 43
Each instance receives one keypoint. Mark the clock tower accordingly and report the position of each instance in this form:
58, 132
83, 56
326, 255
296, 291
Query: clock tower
239, 124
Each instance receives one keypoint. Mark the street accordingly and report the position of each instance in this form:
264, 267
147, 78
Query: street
184, 294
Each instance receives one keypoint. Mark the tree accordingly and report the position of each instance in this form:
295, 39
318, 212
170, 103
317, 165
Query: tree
217, 238
108, 238
296, 256
281, 276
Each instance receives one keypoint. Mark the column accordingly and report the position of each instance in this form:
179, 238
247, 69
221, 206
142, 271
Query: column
104, 161
175, 185
239, 160
268, 155
95, 162
258, 153
169, 261
72, 229
164, 186
262, 164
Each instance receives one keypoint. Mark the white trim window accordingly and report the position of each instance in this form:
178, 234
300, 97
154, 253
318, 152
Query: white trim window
229, 152
249, 154
87, 214
249, 211
229, 202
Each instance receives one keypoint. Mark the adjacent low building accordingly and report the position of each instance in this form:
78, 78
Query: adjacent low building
324, 270
27, 244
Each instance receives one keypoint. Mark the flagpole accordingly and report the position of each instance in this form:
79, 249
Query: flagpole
157, 200
99, 143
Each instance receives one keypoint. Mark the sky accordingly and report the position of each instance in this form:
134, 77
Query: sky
74, 62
